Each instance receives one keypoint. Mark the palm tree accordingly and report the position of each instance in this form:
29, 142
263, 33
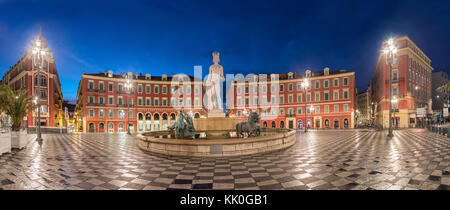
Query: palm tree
15, 104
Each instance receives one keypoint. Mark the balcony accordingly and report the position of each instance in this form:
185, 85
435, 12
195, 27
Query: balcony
290, 115
121, 92
101, 90
92, 90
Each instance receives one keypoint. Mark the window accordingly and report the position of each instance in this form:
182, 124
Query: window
290, 111
394, 75
110, 87
239, 113
317, 84
164, 89
180, 90
281, 88
336, 82
156, 89
255, 89
317, 109
264, 89
239, 102
336, 108
273, 88
326, 96
90, 85
290, 99
317, 97
148, 101
121, 114
139, 88
246, 101
110, 113
91, 99
281, 99
299, 98
327, 109
273, 100
255, 101
189, 102
308, 110
345, 107
346, 96
345, 81
101, 100
299, 110
156, 102
281, 111
290, 87
101, 113
172, 89
140, 102
238, 90
246, 89
308, 97
299, 86
119, 100
326, 84
196, 90
196, 102
91, 113
336, 95
101, 86
110, 99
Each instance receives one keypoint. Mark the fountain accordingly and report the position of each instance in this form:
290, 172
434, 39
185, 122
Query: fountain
215, 135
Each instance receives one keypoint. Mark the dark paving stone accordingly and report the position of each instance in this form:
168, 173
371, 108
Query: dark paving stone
443, 187
434, 178
202, 186
182, 181
414, 182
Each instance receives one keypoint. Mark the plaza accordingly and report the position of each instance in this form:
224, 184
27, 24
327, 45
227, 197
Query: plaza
320, 160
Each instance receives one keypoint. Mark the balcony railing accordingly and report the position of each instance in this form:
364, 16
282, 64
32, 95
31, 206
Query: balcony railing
290, 115
92, 90
101, 90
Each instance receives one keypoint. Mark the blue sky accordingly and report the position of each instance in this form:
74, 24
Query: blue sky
168, 37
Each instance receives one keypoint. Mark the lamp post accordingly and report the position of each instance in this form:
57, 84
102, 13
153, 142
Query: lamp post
311, 109
394, 101
128, 86
38, 60
389, 51
305, 86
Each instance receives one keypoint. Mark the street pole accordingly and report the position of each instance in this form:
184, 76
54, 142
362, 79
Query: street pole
389, 52
306, 124
38, 59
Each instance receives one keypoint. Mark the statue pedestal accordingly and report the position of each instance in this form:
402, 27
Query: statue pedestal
215, 113
216, 127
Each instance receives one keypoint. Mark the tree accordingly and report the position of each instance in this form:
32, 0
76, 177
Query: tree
15, 104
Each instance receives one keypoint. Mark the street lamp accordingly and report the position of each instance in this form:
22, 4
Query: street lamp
305, 86
389, 51
311, 109
38, 59
128, 86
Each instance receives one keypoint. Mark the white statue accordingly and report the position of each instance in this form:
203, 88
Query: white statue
213, 84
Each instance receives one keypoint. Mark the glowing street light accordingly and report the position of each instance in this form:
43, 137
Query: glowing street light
390, 50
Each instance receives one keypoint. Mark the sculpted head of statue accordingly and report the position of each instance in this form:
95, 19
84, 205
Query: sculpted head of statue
216, 58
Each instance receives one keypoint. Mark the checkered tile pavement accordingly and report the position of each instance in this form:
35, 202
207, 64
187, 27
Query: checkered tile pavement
335, 160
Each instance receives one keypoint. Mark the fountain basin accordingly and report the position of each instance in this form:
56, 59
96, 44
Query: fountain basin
270, 140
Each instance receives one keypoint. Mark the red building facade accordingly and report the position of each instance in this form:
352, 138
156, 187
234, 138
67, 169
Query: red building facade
411, 86
153, 102
282, 101
23, 75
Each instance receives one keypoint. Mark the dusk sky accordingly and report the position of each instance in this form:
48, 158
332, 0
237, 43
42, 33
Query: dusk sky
168, 37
